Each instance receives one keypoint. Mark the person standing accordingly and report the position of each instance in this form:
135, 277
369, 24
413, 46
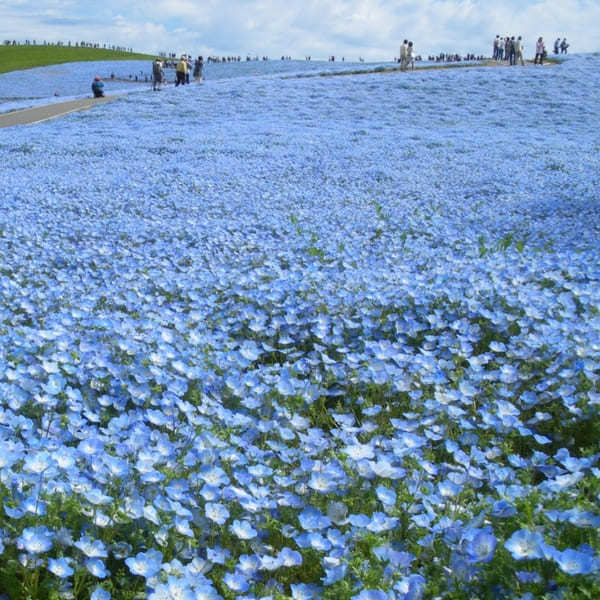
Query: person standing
501, 49
157, 74
496, 42
512, 52
180, 71
556, 45
198, 67
410, 55
507, 48
539, 51
564, 46
188, 62
519, 51
403, 54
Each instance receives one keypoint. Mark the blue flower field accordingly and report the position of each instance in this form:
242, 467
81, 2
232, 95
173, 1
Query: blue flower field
281, 337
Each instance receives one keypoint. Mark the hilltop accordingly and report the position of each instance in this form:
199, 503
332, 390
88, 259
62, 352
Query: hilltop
17, 58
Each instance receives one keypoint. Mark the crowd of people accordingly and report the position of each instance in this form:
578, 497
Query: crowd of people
511, 50
183, 68
452, 58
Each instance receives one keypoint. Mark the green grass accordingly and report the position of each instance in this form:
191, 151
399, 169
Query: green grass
18, 58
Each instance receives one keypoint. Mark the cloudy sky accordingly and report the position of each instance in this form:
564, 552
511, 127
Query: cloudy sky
372, 29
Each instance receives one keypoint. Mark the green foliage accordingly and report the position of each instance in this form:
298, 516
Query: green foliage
18, 58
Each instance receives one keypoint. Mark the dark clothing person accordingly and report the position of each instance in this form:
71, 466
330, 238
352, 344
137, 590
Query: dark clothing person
198, 67
511, 51
98, 87
157, 74
564, 46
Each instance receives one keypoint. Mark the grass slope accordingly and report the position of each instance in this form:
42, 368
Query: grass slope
17, 58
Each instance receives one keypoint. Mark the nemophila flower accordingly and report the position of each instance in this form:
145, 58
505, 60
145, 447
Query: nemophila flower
574, 562
61, 567
217, 555
91, 548
380, 522
38, 463
480, 548
97, 568
175, 588
100, 594
503, 509
289, 558
236, 582
243, 529
303, 591
386, 495
36, 540
145, 564
411, 587
313, 540
359, 451
524, 544
96, 497
312, 519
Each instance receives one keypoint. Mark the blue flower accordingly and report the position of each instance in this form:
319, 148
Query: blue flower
236, 581
60, 567
97, 568
100, 594
243, 529
36, 540
574, 562
524, 544
480, 547
145, 564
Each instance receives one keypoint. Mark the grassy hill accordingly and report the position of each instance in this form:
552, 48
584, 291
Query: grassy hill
16, 58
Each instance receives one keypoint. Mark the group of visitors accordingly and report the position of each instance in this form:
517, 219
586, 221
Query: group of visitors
182, 71
509, 49
562, 46
448, 57
407, 55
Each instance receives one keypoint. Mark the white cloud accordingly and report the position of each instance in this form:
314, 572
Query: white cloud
369, 28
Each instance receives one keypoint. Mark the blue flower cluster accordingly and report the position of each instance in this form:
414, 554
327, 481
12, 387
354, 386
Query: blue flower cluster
330, 337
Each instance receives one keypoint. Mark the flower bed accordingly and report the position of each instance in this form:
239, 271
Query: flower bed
305, 338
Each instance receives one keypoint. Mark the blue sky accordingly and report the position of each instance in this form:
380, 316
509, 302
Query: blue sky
372, 29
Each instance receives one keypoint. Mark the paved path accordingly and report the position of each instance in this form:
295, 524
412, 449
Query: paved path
29, 116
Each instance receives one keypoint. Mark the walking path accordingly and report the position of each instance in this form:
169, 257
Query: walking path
29, 116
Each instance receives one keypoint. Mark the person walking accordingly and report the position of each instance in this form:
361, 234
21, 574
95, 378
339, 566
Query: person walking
198, 67
519, 51
539, 51
157, 74
180, 71
403, 54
